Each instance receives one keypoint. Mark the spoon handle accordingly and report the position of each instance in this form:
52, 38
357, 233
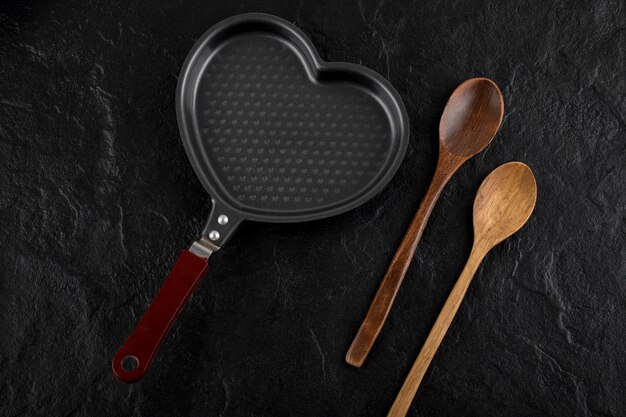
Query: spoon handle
386, 294
412, 382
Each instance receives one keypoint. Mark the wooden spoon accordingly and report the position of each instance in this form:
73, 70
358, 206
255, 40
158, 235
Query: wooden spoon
504, 202
469, 122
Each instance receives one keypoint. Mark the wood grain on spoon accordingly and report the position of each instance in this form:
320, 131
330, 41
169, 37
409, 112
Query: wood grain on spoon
469, 122
504, 202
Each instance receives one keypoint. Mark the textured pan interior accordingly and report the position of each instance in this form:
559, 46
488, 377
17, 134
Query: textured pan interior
276, 134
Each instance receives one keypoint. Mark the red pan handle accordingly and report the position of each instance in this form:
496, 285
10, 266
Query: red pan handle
133, 359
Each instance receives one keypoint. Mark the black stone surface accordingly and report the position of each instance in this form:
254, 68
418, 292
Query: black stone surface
97, 198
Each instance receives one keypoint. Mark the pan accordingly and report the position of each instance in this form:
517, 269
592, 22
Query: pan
274, 134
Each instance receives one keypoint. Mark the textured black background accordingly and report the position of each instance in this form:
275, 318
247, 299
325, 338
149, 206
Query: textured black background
97, 198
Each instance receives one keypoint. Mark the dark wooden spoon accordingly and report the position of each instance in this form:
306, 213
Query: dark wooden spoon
469, 122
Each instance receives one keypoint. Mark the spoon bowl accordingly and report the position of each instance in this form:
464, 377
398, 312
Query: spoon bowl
471, 117
504, 202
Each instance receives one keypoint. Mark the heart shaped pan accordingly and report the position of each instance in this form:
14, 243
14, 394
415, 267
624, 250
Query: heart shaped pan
274, 134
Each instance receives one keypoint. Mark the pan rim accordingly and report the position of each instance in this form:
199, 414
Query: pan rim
317, 67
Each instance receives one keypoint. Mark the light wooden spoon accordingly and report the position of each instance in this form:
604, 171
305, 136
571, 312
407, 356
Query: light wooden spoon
504, 202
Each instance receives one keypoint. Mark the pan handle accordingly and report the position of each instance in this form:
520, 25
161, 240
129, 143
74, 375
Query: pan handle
133, 359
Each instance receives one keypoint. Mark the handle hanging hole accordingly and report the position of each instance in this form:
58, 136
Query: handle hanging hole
130, 363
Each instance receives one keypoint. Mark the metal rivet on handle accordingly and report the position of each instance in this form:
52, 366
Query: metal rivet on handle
222, 219
214, 235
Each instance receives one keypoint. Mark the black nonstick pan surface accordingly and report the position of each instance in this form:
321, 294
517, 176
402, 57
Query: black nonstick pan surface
274, 134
